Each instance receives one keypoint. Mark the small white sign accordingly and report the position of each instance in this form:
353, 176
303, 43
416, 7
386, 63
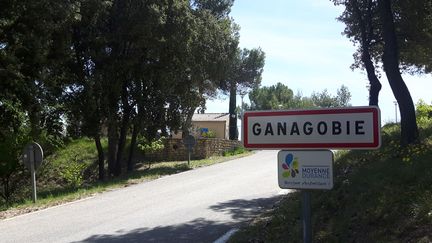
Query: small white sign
301, 169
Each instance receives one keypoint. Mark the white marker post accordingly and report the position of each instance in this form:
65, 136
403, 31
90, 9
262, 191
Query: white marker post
314, 130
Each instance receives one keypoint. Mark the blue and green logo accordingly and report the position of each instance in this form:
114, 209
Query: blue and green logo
290, 166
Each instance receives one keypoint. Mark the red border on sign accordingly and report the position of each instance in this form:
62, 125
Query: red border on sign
369, 109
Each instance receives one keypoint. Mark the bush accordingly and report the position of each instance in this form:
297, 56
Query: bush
151, 146
14, 134
209, 134
234, 151
70, 164
73, 172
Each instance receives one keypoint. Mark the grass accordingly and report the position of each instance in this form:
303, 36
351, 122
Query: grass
382, 195
55, 188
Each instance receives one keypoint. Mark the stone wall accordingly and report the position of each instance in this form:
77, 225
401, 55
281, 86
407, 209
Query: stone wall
205, 147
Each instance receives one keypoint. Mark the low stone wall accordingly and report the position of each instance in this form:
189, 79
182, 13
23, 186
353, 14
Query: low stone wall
205, 147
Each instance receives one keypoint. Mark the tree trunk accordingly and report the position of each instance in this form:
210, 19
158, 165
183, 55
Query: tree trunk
233, 133
35, 119
189, 112
130, 162
112, 146
375, 85
123, 130
121, 143
409, 130
101, 157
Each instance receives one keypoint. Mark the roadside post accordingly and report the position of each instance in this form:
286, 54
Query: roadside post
305, 137
189, 141
32, 159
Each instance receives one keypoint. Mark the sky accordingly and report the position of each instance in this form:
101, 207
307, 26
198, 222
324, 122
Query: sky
306, 51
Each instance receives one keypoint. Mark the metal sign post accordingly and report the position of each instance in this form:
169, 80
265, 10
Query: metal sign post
32, 173
306, 216
315, 130
189, 141
32, 158
305, 170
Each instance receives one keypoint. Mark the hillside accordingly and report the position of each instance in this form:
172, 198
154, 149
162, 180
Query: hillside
380, 195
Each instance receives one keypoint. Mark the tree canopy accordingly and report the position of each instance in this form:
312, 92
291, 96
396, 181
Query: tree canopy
279, 97
114, 68
396, 36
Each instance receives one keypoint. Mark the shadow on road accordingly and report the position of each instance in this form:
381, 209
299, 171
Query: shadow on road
198, 230
243, 210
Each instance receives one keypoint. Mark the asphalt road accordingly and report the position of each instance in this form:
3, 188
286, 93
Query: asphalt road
194, 206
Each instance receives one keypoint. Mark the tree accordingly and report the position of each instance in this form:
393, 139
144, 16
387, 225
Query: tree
325, 99
13, 135
273, 97
359, 18
279, 96
245, 73
30, 57
390, 59
393, 32
343, 96
140, 66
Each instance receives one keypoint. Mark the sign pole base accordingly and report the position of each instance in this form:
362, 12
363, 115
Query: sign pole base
306, 211
189, 155
33, 176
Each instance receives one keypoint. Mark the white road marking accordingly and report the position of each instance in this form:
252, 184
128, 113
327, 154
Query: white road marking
224, 238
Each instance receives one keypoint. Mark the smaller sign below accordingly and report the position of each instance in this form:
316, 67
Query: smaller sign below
310, 169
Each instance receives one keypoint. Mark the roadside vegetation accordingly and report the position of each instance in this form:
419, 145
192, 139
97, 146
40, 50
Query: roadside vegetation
382, 195
71, 173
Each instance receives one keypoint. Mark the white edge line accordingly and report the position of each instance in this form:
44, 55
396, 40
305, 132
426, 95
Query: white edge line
48, 208
224, 238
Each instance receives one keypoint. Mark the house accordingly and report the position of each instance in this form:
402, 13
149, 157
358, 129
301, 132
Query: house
217, 123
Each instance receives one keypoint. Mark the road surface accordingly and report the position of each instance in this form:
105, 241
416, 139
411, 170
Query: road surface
194, 206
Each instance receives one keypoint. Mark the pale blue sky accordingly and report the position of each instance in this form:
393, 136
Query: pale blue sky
306, 51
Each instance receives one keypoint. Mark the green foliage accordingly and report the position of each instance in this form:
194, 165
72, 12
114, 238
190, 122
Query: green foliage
14, 134
235, 151
151, 146
324, 99
279, 96
209, 134
274, 97
379, 195
72, 165
73, 173
423, 112
412, 25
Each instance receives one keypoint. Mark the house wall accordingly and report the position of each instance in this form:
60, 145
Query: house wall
175, 150
219, 127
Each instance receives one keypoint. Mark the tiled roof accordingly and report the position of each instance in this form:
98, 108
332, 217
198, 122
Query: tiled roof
211, 117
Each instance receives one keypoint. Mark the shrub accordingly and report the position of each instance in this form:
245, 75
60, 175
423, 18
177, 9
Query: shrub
209, 134
234, 151
151, 146
73, 172
14, 134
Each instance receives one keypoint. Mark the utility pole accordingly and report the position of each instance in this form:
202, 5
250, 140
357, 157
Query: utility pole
396, 105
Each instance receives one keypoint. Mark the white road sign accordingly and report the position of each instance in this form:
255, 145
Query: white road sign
299, 169
335, 128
